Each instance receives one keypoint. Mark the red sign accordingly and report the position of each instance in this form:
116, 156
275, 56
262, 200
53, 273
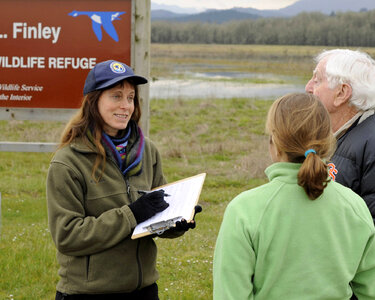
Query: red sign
47, 47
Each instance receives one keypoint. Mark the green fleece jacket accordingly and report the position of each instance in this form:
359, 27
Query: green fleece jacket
275, 243
91, 223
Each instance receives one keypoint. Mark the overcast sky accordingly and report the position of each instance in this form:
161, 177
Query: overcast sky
225, 4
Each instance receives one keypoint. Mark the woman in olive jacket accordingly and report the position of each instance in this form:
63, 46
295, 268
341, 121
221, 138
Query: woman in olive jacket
93, 194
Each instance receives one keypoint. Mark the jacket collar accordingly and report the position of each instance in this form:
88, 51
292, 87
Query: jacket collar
86, 146
283, 171
80, 145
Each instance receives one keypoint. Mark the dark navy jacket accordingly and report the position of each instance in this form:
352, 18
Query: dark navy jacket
353, 163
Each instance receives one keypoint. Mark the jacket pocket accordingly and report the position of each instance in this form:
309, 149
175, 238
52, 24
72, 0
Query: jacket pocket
114, 269
87, 266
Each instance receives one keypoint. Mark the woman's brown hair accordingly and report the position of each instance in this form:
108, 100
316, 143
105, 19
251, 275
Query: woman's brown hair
88, 119
299, 122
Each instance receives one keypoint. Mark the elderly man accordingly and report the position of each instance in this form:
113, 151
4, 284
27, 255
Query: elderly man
344, 80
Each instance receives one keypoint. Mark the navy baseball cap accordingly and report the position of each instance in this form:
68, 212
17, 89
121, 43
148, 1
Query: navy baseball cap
108, 73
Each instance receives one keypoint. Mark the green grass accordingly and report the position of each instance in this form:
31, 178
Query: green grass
28, 131
220, 137
27, 260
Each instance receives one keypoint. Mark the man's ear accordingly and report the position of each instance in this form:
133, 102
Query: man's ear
343, 94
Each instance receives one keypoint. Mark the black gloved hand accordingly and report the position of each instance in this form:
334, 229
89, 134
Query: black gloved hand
148, 205
183, 225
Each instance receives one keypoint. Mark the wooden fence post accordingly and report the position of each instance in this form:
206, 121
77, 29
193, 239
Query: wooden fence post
141, 54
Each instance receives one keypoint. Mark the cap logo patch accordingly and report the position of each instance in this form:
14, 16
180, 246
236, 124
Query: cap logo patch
117, 67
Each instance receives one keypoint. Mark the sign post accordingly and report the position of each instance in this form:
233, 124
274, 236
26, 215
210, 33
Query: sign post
49, 46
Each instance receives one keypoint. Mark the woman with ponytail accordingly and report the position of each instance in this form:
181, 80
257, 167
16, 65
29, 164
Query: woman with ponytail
300, 236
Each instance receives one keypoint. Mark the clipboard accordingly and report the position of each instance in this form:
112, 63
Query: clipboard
184, 196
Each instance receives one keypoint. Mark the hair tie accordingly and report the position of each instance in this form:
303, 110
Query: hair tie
309, 151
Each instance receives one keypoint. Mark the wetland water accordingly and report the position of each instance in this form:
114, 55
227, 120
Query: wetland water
224, 84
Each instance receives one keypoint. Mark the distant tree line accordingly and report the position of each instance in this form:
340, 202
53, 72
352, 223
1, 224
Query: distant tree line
341, 29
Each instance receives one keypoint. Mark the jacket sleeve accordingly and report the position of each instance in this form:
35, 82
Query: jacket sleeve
72, 231
367, 180
363, 282
234, 260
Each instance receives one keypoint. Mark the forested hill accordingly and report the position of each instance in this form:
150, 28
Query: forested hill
349, 29
210, 16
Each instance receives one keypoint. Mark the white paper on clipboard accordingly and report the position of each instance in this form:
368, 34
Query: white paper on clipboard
184, 196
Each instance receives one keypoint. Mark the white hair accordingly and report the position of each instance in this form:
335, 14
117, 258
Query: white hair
355, 68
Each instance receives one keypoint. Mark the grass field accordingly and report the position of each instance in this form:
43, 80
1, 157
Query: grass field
223, 138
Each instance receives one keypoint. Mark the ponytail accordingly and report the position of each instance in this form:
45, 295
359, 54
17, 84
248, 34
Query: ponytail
312, 175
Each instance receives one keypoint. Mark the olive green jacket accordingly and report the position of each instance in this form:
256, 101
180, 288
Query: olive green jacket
91, 223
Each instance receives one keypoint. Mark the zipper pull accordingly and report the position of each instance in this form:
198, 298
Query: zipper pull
127, 186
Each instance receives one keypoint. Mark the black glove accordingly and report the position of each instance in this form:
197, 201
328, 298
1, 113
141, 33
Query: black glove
148, 205
183, 225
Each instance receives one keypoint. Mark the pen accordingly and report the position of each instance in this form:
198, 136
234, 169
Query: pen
146, 192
